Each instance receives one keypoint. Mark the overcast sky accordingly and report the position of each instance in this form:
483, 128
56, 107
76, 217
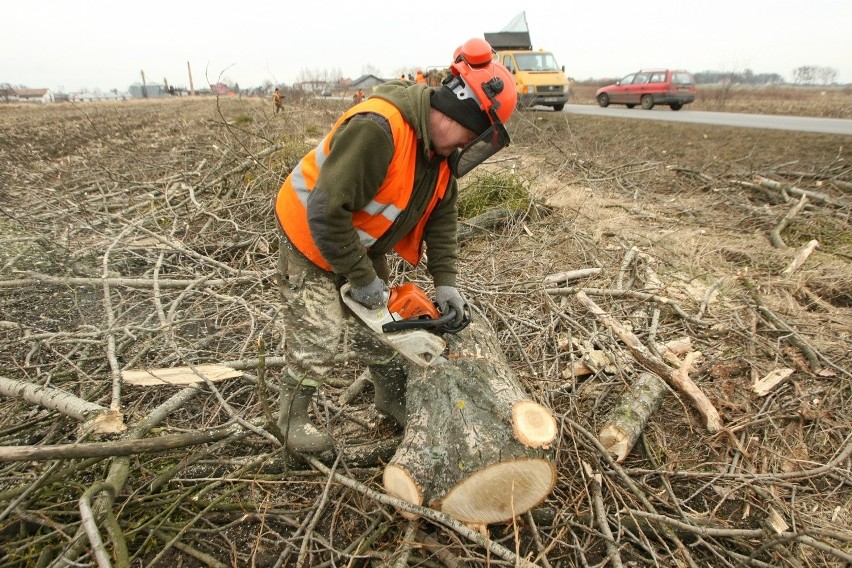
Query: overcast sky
105, 44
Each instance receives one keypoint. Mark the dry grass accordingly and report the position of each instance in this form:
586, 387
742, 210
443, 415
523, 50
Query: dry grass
182, 190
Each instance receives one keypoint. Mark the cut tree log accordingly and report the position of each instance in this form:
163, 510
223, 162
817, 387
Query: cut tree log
625, 422
570, 275
475, 444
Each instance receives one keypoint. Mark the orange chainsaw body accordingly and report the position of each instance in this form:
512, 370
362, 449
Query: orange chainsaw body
408, 301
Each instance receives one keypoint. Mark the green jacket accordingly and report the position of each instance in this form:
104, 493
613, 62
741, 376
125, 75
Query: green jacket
360, 153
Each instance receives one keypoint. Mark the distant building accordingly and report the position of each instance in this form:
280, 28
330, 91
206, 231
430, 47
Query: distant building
31, 96
366, 82
150, 91
97, 96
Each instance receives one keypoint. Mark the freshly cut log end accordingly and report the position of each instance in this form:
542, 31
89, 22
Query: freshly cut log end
535, 426
399, 484
109, 422
616, 441
501, 491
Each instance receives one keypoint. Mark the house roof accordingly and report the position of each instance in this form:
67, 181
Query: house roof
364, 78
30, 92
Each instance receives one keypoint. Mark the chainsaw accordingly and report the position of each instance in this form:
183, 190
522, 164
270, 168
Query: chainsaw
409, 322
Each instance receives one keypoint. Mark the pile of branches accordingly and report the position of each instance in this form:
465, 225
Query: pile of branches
157, 250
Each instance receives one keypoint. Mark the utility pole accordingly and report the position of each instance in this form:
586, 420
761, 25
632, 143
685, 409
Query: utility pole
144, 89
191, 88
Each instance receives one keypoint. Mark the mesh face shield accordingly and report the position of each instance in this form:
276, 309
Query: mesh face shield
486, 145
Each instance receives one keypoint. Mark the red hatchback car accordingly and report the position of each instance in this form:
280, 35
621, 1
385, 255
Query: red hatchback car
649, 87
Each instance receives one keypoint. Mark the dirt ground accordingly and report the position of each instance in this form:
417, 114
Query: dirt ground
140, 235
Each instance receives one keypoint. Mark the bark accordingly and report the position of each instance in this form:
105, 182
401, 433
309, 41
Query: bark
475, 444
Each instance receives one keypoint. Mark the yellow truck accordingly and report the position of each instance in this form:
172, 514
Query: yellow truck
538, 78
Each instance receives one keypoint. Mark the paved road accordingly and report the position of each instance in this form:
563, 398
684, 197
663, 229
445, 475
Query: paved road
797, 123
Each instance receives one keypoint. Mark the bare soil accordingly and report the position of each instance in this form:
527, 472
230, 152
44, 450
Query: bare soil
140, 235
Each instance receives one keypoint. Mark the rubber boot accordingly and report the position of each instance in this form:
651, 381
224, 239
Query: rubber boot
302, 434
389, 385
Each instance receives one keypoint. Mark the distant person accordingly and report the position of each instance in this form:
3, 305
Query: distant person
276, 100
419, 78
358, 96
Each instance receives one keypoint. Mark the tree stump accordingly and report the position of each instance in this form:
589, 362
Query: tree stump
475, 444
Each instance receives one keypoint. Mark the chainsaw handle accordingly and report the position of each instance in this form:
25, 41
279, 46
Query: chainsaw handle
442, 324
466, 317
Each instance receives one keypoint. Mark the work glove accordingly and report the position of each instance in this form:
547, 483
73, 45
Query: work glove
374, 295
448, 298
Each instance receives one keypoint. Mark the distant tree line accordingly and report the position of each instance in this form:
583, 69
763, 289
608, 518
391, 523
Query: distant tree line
804, 75
747, 77
814, 75
6, 91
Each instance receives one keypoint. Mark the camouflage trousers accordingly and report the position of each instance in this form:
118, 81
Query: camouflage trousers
319, 327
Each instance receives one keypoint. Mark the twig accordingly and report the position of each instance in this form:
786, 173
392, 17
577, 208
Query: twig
600, 516
146, 283
812, 195
520, 343
778, 323
625, 265
569, 275
705, 302
118, 447
628, 294
708, 531
91, 527
801, 257
539, 546
410, 530
775, 233
303, 550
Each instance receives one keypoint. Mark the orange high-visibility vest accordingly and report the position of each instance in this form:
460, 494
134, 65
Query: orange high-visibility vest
390, 200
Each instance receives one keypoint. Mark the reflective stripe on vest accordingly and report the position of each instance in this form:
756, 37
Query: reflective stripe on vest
390, 200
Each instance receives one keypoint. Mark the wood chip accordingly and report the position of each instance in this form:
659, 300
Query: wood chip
767, 383
775, 522
178, 375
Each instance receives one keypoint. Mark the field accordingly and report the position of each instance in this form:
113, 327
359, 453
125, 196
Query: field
140, 235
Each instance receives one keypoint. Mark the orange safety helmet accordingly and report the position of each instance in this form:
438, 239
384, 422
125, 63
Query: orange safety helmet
487, 81
479, 94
